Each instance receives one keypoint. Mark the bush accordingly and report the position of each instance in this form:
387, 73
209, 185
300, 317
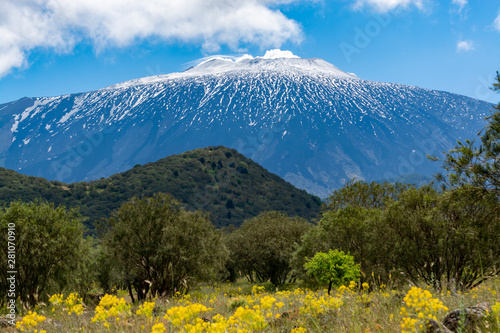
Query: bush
264, 246
335, 268
160, 248
49, 249
350, 229
447, 240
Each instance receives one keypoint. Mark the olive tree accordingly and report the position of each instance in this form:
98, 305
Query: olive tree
364, 194
160, 248
264, 246
348, 223
447, 240
49, 249
349, 229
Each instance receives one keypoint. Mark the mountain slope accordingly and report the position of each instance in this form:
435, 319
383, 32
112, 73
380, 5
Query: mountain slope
215, 179
303, 119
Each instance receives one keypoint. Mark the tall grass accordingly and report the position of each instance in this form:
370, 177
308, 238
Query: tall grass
242, 307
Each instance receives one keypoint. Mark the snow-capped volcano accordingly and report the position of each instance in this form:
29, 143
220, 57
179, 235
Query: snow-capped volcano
303, 119
274, 61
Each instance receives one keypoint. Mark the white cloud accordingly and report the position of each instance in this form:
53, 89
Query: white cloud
388, 5
60, 24
496, 24
465, 45
460, 3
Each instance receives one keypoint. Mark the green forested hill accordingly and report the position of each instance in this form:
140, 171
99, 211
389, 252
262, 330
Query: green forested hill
214, 179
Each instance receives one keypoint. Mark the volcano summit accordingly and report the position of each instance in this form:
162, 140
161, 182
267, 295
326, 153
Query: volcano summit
303, 119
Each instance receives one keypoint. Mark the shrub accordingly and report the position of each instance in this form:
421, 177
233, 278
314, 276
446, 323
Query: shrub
446, 239
49, 249
449, 239
334, 268
161, 248
350, 229
264, 246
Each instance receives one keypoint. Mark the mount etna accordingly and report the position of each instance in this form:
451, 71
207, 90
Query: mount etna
302, 119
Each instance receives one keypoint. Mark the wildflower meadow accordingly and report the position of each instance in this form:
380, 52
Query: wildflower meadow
243, 307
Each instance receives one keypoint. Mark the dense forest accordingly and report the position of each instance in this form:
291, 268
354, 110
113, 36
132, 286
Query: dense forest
217, 180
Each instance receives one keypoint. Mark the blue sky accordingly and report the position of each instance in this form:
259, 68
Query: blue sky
55, 47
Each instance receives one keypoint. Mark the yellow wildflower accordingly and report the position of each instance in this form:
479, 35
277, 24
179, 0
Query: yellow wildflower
146, 310
31, 320
110, 306
423, 306
158, 328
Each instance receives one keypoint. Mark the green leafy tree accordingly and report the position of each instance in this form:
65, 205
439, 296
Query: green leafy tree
49, 249
364, 194
348, 224
160, 248
350, 229
477, 164
334, 268
448, 240
264, 246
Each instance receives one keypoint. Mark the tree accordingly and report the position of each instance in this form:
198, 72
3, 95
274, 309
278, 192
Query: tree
365, 195
347, 224
335, 268
49, 249
264, 246
160, 248
352, 230
447, 240
474, 164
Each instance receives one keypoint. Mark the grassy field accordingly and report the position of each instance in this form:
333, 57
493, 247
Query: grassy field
241, 307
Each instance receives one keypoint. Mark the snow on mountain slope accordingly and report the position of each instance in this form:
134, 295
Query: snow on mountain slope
276, 61
303, 119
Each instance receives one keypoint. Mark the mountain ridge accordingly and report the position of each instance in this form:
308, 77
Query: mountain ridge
316, 129
216, 180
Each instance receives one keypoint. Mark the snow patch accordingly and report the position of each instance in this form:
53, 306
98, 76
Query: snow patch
25, 114
76, 107
232, 59
13, 129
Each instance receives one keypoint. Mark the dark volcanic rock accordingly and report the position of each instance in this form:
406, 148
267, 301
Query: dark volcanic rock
470, 318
